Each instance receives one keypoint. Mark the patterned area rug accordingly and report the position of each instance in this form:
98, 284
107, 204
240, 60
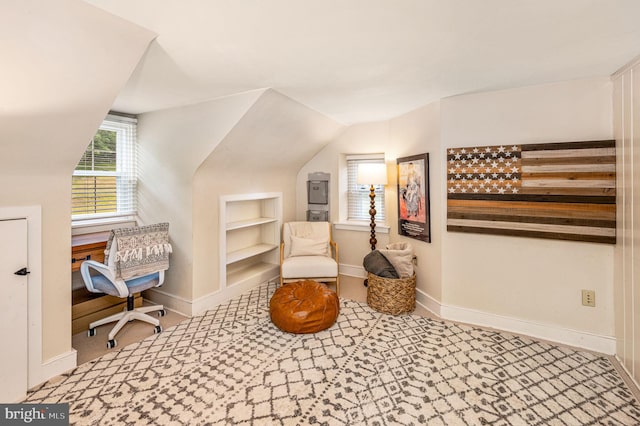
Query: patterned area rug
233, 366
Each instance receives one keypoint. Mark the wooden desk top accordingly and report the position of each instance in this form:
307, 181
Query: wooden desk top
90, 240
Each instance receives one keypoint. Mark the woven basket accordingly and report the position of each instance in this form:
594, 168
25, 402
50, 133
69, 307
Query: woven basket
391, 296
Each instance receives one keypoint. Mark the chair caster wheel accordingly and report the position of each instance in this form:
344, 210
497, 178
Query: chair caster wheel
157, 329
162, 313
92, 332
111, 344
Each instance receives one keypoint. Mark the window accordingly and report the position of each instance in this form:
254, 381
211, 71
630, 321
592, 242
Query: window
104, 181
358, 195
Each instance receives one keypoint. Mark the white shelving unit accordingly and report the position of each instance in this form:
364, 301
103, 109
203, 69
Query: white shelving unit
249, 238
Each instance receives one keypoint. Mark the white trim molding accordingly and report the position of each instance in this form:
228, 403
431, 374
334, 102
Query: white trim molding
352, 271
553, 333
627, 372
381, 228
170, 301
39, 370
54, 367
209, 301
429, 303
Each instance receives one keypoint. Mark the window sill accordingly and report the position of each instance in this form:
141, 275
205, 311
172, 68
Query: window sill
88, 226
381, 228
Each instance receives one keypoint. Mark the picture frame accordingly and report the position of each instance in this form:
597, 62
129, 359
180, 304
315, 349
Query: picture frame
413, 197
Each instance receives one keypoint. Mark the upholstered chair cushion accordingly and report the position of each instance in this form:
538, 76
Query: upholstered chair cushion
317, 233
309, 246
304, 307
309, 266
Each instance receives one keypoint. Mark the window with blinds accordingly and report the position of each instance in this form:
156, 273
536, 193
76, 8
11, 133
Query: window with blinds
105, 179
358, 195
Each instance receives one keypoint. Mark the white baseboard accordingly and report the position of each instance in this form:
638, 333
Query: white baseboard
212, 300
53, 367
627, 372
352, 271
197, 306
581, 339
566, 336
169, 301
428, 302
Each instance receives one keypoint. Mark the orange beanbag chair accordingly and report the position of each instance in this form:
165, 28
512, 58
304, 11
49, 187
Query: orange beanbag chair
304, 307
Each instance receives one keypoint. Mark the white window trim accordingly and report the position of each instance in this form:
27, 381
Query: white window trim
92, 220
381, 228
355, 225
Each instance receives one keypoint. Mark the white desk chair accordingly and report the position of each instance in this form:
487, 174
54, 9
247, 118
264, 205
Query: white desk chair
135, 260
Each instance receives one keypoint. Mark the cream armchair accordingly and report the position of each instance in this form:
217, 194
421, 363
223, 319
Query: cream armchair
308, 252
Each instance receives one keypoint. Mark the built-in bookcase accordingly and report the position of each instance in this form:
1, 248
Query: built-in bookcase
249, 238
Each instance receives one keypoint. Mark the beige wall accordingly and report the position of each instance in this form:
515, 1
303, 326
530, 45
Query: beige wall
261, 154
413, 133
45, 191
173, 143
254, 142
51, 107
627, 254
63, 65
530, 279
524, 284
357, 139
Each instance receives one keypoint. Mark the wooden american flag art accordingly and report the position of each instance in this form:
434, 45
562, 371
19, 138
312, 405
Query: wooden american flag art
563, 191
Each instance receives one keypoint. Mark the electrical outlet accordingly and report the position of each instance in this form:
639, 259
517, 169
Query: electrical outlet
589, 298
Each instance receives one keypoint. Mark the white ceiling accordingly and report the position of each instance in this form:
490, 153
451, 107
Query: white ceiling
367, 60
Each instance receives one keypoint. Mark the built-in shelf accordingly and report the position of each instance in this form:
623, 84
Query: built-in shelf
245, 253
249, 237
259, 272
249, 222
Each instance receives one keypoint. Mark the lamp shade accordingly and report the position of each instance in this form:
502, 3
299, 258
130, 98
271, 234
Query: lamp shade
372, 174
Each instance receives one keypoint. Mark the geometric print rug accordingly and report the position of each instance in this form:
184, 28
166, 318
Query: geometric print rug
232, 366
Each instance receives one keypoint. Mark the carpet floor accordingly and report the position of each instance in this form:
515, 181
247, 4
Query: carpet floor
231, 365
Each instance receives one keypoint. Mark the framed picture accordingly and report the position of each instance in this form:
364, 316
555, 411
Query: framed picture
413, 197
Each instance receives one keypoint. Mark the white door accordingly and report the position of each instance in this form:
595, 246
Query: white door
13, 310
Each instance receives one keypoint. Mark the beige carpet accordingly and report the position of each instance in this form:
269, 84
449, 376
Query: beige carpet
232, 366
93, 347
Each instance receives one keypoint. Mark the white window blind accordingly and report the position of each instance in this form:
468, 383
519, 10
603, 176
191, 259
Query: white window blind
358, 195
105, 179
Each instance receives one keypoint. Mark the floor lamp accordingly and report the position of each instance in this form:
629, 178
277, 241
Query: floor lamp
372, 174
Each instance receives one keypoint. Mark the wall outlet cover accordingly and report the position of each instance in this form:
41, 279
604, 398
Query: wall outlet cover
589, 298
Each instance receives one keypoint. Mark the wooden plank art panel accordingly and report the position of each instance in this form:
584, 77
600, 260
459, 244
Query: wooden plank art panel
563, 191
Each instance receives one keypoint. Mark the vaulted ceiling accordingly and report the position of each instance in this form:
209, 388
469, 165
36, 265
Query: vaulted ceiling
366, 60
63, 63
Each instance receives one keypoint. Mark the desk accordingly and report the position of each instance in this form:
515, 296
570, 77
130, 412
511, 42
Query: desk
88, 247
87, 307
